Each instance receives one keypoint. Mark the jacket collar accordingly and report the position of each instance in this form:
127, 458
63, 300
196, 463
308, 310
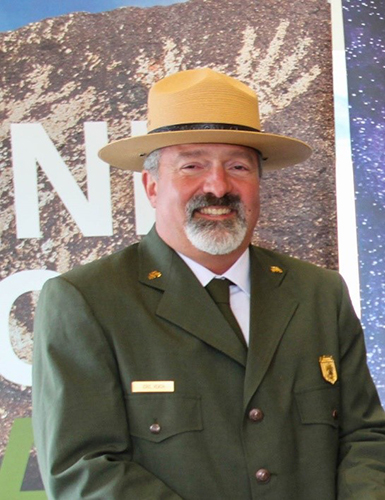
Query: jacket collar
184, 301
273, 304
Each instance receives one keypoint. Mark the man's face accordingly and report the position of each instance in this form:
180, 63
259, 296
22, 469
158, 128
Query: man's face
206, 197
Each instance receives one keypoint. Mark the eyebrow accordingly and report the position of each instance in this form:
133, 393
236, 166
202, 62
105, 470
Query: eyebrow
190, 154
248, 154
200, 152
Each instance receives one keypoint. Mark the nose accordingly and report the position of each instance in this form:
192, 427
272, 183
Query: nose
217, 181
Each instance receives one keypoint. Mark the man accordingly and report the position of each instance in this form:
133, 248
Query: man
146, 388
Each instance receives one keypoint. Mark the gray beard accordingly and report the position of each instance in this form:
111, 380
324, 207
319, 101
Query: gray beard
216, 237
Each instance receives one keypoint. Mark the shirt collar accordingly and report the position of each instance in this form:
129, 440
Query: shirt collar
239, 272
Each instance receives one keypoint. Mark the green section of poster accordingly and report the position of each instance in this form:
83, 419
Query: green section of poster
15, 461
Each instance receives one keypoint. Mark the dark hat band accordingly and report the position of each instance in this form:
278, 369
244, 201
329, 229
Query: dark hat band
202, 126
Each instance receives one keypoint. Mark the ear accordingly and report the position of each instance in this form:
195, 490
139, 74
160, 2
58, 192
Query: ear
150, 186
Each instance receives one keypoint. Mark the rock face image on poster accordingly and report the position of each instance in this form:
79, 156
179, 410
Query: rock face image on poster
73, 82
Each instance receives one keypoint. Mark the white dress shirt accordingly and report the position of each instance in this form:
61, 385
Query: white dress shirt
239, 274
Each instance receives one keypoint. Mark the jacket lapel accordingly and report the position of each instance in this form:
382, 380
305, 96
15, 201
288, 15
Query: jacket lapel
184, 301
273, 304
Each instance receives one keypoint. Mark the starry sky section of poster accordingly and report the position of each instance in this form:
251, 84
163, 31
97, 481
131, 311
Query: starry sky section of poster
365, 54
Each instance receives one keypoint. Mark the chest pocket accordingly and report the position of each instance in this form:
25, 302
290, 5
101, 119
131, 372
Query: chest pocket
319, 405
156, 417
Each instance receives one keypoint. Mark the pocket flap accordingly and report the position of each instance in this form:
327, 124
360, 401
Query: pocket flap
157, 417
319, 405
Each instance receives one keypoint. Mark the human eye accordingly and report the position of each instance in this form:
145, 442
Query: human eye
190, 168
240, 168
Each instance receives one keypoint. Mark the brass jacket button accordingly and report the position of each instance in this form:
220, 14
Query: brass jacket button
256, 415
155, 428
335, 414
263, 476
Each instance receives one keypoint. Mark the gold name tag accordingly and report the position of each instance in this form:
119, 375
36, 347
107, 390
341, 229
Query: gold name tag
153, 386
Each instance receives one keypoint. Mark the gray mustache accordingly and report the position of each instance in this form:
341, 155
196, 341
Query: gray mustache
207, 200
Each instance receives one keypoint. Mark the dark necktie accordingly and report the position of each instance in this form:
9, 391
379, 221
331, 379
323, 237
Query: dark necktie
219, 290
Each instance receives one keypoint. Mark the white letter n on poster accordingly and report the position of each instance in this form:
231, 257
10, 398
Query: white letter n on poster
31, 146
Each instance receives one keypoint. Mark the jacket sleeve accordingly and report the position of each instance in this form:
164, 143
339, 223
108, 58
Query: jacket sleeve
361, 473
79, 415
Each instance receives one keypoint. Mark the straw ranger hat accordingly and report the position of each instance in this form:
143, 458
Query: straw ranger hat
203, 106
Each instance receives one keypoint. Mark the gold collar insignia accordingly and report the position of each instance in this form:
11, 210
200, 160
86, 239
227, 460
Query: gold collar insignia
154, 274
276, 269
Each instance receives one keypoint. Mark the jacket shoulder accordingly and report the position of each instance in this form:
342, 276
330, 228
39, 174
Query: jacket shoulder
299, 270
113, 268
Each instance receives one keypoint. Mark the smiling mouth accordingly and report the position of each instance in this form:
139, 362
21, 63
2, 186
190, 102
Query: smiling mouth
207, 208
214, 211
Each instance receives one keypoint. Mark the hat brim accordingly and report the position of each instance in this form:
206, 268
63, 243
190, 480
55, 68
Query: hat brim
278, 151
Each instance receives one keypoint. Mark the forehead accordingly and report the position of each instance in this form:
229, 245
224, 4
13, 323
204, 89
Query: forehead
209, 151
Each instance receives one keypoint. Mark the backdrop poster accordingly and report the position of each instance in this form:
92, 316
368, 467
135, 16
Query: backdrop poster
73, 81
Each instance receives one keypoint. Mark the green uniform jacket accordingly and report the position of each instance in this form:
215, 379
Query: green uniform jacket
141, 315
